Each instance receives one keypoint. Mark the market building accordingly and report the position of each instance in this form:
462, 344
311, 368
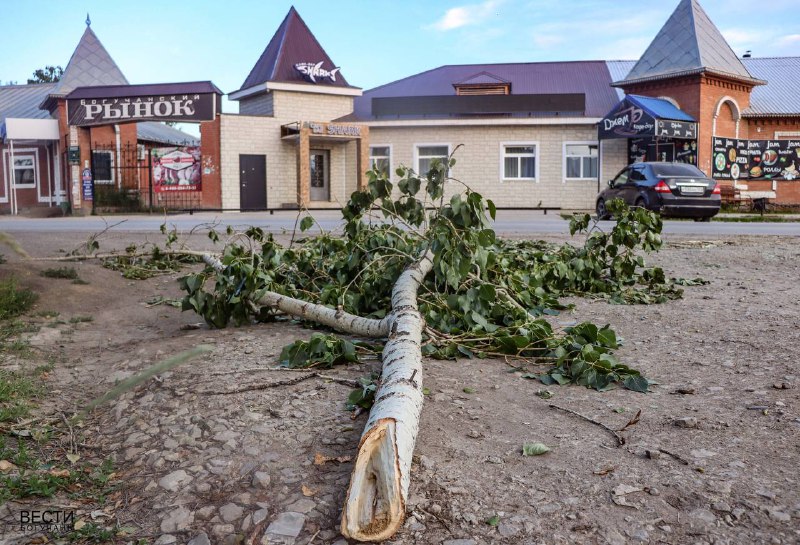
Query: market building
93, 141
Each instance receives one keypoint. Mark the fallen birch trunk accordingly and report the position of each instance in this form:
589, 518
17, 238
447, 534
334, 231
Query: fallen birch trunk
375, 504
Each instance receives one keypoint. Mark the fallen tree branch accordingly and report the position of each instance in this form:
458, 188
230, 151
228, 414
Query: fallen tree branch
620, 439
266, 386
375, 504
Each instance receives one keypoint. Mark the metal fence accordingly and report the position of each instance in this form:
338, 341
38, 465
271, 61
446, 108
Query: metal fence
145, 178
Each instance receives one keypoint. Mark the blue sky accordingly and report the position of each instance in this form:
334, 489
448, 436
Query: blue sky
374, 42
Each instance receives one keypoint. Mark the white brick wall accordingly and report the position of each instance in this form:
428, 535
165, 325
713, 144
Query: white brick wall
260, 135
479, 160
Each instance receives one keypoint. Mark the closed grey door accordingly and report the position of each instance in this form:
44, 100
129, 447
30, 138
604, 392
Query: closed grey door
320, 175
252, 182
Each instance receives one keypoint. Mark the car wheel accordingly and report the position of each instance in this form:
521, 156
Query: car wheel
639, 203
602, 213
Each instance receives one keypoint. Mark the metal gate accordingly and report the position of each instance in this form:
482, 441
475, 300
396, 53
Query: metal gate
145, 178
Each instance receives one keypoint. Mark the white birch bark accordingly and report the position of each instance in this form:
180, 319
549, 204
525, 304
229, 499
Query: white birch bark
376, 498
334, 318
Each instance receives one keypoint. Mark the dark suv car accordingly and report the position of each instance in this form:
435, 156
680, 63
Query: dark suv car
673, 189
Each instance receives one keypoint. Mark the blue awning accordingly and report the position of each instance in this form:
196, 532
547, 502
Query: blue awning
638, 116
660, 108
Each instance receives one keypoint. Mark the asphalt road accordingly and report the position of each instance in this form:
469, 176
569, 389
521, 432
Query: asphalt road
508, 222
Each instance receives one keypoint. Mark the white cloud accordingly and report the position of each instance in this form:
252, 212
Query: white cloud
466, 15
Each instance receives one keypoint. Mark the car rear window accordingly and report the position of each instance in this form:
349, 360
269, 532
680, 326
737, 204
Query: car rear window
676, 169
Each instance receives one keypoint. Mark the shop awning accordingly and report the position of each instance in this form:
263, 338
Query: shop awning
638, 116
29, 129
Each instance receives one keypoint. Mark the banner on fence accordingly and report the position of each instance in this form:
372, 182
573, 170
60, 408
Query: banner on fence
176, 169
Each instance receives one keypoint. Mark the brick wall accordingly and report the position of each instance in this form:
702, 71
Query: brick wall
479, 161
260, 135
290, 106
211, 169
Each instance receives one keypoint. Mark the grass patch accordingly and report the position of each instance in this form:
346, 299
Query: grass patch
80, 319
68, 273
80, 282
16, 391
14, 301
46, 314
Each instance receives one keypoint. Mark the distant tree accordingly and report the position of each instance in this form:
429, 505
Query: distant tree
9, 82
48, 74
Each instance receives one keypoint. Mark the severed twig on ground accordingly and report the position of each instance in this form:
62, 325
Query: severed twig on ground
681, 459
289, 382
620, 439
633, 421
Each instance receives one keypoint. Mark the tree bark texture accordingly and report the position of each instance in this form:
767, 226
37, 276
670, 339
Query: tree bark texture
376, 498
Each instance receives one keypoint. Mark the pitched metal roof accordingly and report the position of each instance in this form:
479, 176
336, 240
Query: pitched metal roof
780, 96
688, 43
151, 131
660, 108
119, 91
22, 101
618, 71
90, 65
591, 78
292, 43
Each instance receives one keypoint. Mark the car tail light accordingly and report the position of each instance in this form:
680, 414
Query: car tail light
662, 187
717, 190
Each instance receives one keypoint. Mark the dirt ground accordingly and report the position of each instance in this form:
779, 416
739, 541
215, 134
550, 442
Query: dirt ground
196, 464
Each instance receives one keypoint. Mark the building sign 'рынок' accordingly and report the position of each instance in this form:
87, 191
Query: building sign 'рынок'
100, 111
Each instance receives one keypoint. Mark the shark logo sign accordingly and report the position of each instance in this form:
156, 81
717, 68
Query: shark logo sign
314, 71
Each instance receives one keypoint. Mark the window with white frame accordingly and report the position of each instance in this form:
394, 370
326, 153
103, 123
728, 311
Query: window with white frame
24, 170
380, 157
519, 161
427, 154
103, 166
580, 160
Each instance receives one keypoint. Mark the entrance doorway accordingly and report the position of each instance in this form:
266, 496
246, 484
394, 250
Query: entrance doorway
320, 175
252, 182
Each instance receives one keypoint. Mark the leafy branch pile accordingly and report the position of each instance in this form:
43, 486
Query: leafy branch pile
484, 297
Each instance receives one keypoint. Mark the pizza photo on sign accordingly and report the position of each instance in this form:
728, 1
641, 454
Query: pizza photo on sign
176, 169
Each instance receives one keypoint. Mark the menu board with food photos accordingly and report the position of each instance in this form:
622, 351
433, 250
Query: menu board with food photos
736, 159
662, 149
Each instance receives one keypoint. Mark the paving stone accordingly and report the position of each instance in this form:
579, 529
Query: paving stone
177, 520
303, 505
175, 480
230, 512
166, 539
284, 528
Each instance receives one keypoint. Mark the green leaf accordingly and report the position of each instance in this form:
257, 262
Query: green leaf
306, 223
637, 383
534, 449
492, 208
469, 390
493, 521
